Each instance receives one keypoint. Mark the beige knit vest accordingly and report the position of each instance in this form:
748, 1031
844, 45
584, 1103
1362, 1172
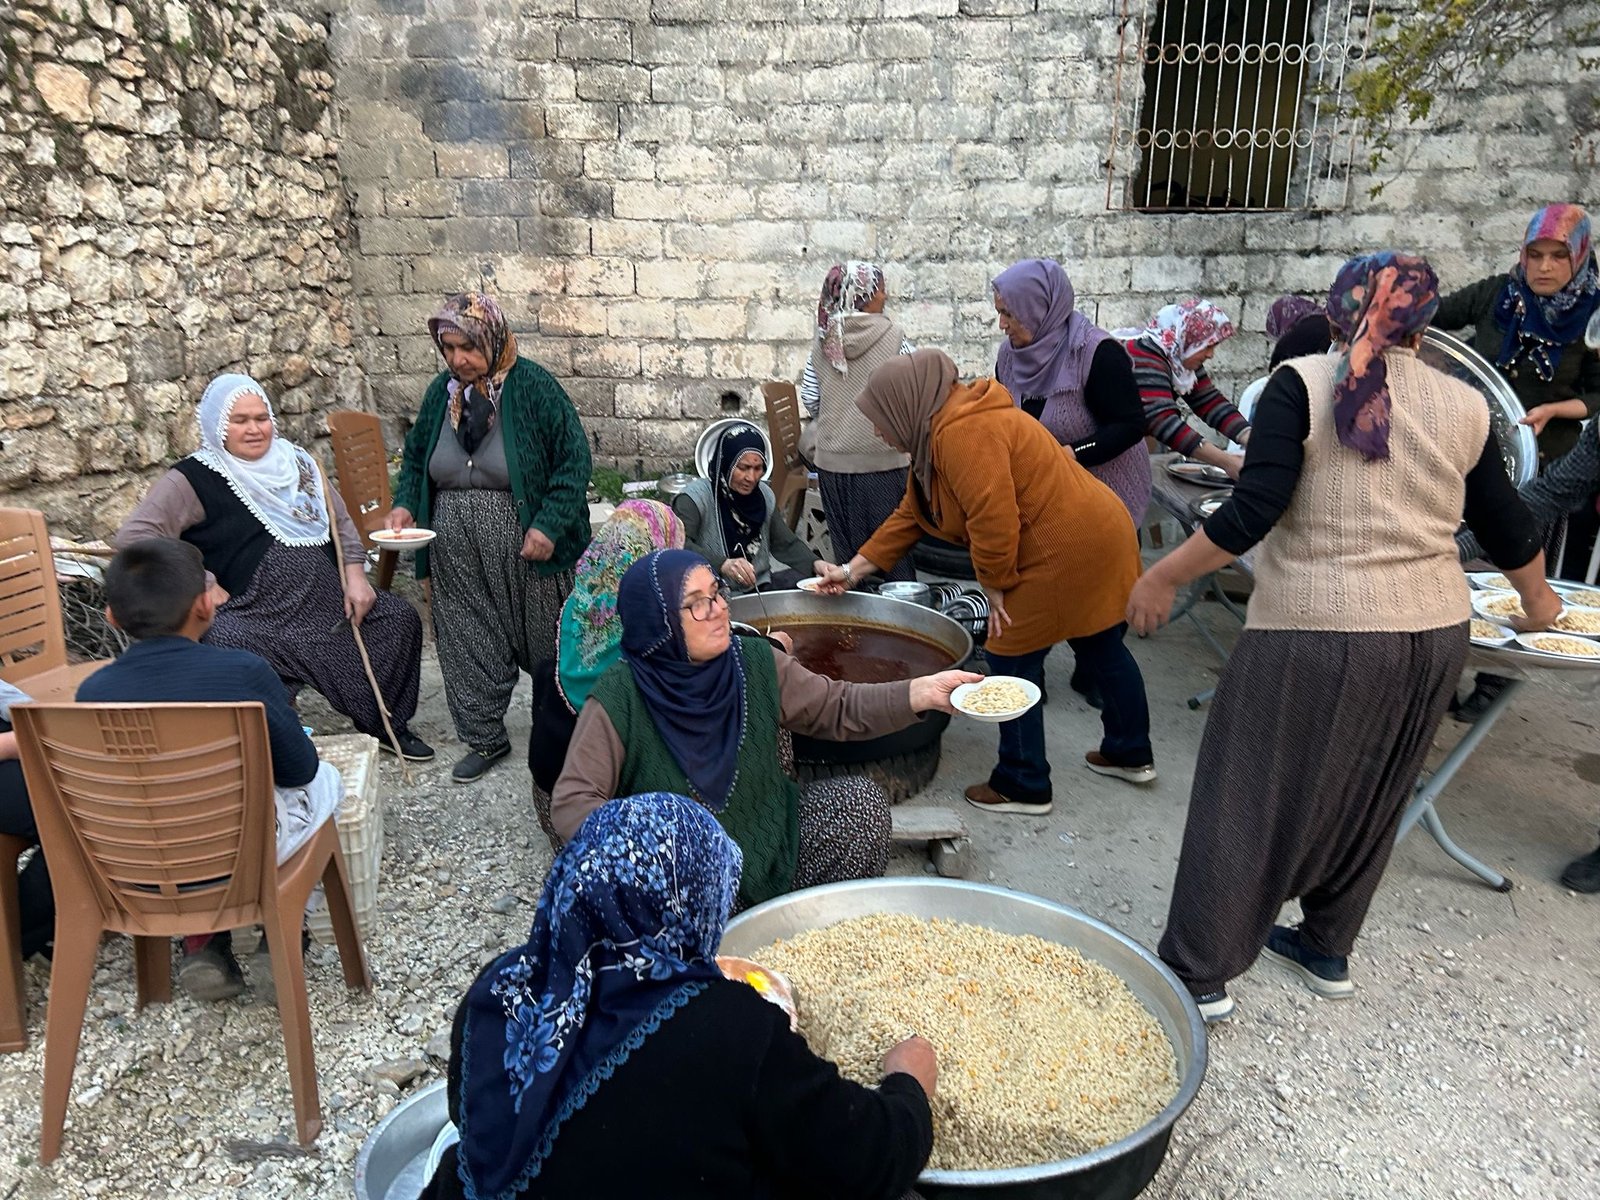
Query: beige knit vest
846, 442
1369, 547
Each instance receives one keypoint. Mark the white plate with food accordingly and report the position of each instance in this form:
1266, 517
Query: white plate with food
1198, 472
1491, 633
998, 698
1560, 645
1492, 581
402, 539
1581, 594
1577, 621
1497, 606
811, 583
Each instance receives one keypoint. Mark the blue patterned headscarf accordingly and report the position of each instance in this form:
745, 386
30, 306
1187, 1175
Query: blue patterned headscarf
626, 933
1538, 328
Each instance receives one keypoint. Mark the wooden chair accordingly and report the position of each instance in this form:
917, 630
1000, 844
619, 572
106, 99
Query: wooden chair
33, 641
158, 821
362, 462
13, 995
790, 475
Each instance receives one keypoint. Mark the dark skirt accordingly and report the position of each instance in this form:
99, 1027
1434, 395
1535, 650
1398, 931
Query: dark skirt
855, 506
292, 615
1310, 754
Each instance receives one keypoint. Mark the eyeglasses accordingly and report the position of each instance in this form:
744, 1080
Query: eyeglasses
701, 606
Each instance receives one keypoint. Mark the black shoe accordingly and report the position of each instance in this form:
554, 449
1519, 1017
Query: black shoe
412, 748
1583, 874
475, 762
1486, 689
212, 972
1327, 976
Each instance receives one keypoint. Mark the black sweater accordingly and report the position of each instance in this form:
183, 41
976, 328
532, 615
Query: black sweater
723, 1102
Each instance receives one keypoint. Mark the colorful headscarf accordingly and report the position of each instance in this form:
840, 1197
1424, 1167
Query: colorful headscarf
698, 707
1038, 293
1287, 312
1399, 293
901, 398
282, 488
477, 317
743, 518
847, 289
1180, 330
590, 637
1537, 328
1346, 297
625, 935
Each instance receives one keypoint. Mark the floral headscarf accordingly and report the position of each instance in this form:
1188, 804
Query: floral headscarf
1537, 328
1398, 295
591, 626
1346, 297
1180, 330
847, 289
625, 935
477, 317
1286, 312
282, 489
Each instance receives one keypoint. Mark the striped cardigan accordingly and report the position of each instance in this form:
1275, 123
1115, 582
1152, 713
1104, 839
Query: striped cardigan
1163, 419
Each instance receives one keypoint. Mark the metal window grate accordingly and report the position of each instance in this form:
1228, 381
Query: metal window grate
1234, 105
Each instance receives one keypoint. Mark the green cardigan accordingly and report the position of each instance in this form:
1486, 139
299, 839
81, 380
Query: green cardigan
1577, 377
547, 454
763, 813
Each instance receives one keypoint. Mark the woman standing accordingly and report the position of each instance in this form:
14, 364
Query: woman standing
732, 519
256, 506
1169, 356
1052, 546
861, 479
497, 465
1297, 327
1356, 634
1073, 377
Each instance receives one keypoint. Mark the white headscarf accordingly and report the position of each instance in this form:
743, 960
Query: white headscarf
281, 487
1179, 331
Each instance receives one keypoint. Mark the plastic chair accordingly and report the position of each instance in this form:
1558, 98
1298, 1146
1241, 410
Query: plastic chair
362, 462
158, 821
33, 641
790, 475
13, 995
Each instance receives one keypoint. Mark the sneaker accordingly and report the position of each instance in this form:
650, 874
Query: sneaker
412, 748
981, 795
1583, 874
475, 763
1101, 765
1215, 1006
1325, 975
211, 973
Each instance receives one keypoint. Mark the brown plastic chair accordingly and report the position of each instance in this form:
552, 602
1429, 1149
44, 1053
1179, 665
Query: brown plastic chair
157, 821
362, 462
790, 475
13, 997
33, 641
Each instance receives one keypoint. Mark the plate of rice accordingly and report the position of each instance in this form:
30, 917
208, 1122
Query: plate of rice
1573, 593
1489, 633
1494, 581
1497, 606
1560, 645
998, 698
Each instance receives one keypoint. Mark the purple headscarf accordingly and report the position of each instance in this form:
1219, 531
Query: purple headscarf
1038, 294
1287, 312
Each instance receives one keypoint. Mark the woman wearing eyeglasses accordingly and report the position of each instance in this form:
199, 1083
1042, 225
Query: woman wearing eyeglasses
691, 709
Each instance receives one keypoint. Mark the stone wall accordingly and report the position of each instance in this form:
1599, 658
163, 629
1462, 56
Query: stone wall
170, 208
654, 188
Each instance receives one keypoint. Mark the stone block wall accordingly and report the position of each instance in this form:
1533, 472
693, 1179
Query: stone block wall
170, 208
655, 188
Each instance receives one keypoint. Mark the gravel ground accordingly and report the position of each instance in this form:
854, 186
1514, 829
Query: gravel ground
1465, 1067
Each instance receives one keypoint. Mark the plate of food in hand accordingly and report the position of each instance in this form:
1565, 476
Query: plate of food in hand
811, 583
1497, 606
1190, 471
402, 539
1491, 633
1561, 645
998, 698
1579, 622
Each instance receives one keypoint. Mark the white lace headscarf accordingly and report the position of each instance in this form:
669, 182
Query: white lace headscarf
281, 487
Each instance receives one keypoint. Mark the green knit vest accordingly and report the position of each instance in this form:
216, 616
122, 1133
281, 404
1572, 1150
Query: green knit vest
762, 814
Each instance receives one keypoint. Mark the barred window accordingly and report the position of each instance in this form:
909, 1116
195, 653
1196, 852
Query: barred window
1233, 105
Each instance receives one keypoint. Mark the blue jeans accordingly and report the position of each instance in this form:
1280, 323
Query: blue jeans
1023, 772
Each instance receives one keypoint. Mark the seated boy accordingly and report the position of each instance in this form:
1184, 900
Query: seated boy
158, 593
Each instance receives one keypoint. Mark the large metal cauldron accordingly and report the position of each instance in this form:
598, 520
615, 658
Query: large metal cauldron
903, 762
1115, 1172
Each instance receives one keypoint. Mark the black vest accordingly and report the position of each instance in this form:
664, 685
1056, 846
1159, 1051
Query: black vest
232, 539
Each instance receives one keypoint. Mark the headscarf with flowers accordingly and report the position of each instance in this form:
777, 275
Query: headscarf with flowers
1394, 296
476, 317
848, 288
1537, 328
590, 637
625, 935
1180, 330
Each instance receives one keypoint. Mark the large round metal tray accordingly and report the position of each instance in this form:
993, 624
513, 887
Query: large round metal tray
393, 1160
1455, 358
706, 445
1115, 1172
